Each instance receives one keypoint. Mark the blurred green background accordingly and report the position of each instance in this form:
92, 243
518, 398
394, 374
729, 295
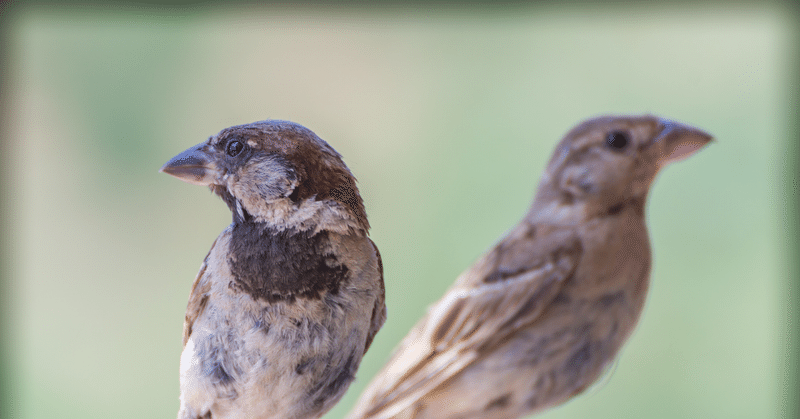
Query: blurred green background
447, 116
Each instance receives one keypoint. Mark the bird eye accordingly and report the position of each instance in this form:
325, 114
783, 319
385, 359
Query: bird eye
617, 140
234, 148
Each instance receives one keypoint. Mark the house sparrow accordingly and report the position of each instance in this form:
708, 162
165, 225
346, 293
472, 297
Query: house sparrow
291, 294
536, 319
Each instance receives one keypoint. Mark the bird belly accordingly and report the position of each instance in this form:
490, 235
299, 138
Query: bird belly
270, 361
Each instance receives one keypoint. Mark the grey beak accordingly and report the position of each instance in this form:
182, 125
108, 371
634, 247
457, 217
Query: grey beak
194, 166
678, 141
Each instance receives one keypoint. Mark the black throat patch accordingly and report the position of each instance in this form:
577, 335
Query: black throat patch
273, 265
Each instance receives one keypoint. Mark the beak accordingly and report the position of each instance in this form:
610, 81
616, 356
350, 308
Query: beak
193, 165
677, 142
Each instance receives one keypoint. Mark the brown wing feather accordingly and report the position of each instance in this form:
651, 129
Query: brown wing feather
197, 298
507, 288
379, 310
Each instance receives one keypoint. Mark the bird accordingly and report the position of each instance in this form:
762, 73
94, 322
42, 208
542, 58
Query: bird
291, 294
540, 316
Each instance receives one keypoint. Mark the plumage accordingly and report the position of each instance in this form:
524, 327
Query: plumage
291, 294
538, 317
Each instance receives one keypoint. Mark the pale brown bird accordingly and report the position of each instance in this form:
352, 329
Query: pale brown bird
537, 318
291, 294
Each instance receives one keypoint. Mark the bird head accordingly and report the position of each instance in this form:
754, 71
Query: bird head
607, 163
277, 172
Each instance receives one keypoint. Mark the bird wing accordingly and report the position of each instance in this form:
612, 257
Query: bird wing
506, 289
379, 310
197, 298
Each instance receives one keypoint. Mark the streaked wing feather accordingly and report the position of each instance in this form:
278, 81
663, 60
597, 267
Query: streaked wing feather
506, 288
197, 298
379, 310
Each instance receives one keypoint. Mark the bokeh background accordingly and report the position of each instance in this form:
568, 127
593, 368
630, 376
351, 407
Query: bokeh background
446, 114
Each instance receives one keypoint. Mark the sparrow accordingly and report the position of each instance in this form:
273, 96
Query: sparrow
291, 294
537, 319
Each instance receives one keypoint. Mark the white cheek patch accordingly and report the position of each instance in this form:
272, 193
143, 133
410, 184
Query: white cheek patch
260, 182
269, 179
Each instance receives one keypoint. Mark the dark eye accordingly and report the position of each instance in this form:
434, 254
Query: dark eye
617, 140
234, 148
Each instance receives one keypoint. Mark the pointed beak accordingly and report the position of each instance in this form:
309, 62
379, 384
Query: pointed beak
194, 165
678, 141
